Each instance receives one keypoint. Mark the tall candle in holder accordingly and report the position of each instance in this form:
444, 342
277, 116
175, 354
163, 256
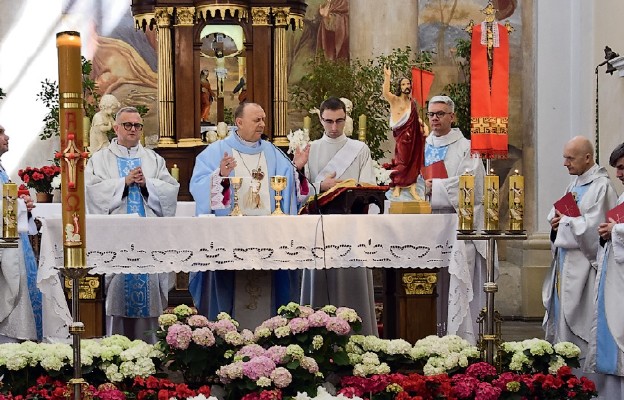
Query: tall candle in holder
466, 202
516, 202
362, 128
491, 202
72, 155
9, 212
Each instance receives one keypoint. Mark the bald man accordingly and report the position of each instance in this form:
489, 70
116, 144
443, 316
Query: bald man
568, 291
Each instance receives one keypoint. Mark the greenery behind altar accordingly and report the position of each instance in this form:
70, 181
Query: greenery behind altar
302, 353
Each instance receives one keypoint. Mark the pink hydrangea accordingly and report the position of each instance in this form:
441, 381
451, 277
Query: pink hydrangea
318, 319
198, 321
305, 311
481, 370
274, 322
179, 336
338, 326
203, 337
251, 351
310, 365
258, 367
224, 326
276, 353
281, 377
299, 325
464, 386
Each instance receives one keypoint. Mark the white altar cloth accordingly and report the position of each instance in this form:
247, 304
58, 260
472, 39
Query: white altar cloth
122, 244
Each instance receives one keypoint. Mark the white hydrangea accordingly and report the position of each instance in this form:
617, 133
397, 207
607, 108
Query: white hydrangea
555, 363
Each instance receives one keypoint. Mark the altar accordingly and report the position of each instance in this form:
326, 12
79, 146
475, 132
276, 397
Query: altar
127, 244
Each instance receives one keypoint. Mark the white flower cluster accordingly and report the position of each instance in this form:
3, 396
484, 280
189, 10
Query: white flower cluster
524, 354
56, 182
117, 356
443, 353
370, 355
382, 175
297, 139
323, 394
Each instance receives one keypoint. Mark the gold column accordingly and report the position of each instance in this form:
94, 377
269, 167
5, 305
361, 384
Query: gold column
166, 102
261, 16
280, 90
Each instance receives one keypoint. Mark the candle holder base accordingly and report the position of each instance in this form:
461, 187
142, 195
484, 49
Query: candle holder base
466, 231
493, 231
514, 232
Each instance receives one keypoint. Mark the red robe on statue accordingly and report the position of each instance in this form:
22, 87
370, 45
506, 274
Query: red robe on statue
409, 150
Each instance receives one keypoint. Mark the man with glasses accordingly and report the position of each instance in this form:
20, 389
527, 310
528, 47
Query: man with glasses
447, 156
409, 136
127, 178
332, 159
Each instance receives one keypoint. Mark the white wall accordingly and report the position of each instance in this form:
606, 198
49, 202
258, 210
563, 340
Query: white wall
564, 92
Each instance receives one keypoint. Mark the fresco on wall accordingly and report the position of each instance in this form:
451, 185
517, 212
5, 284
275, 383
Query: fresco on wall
325, 29
124, 60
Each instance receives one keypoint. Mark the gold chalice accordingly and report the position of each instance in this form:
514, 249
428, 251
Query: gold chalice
278, 183
236, 182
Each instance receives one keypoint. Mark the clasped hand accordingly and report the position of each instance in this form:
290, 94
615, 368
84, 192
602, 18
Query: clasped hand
135, 176
28, 201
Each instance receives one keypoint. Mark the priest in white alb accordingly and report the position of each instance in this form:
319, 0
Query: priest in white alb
332, 159
127, 178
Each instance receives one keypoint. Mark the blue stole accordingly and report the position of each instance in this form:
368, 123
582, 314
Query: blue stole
30, 263
434, 154
213, 292
578, 192
136, 286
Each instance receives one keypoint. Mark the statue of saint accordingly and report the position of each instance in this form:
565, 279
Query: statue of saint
348, 127
409, 134
103, 122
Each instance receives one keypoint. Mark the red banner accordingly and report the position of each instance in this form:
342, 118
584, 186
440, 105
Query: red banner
421, 84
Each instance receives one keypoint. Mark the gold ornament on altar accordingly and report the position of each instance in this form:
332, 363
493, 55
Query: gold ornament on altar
236, 182
516, 202
466, 202
9, 212
491, 202
278, 183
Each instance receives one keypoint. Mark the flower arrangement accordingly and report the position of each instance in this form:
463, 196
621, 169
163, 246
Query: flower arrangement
298, 139
278, 369
112, 359
196, 346
40, 179
323, 334
536, 355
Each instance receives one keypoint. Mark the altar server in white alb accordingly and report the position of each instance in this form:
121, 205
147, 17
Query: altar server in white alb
127, 178
334, 158
568, 291
606, 341
447, 156
20, 300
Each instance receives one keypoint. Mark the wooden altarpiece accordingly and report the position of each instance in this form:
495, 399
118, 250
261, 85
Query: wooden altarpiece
180, 25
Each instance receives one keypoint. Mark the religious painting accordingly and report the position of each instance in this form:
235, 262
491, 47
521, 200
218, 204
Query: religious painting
222, 73
325, 30
124, 60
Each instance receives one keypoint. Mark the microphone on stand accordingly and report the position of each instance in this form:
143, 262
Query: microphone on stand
303, 175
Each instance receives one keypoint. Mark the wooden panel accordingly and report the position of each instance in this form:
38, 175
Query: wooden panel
92, 315
186, 86
184, 157
262, 83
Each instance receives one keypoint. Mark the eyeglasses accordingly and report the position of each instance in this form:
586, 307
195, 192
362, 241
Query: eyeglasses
129, 125
331, 121
438, 114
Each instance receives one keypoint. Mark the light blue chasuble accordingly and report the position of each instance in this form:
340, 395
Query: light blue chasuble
31, 272
136, 286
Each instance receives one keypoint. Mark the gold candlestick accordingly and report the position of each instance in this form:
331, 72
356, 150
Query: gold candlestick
516, 202
491, 202
466, 203
278, 183
236, 182
9, 212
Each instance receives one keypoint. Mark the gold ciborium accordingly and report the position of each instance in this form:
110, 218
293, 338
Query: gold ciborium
278, 183
236, 182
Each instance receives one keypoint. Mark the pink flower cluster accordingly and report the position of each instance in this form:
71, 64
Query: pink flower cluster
179, 336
